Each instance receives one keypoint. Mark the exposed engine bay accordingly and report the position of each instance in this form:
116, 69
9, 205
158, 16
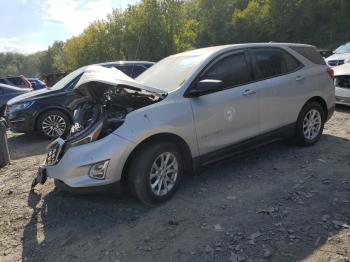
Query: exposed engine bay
104, 97
101, 109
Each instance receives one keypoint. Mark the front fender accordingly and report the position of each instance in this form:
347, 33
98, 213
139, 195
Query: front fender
168, 116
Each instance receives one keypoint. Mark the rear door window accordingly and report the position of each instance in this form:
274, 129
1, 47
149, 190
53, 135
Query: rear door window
272, 62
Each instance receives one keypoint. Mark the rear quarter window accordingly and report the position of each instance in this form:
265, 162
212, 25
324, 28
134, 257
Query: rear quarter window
309, 53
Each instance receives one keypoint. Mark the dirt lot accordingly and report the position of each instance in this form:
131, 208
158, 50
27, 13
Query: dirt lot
278, 203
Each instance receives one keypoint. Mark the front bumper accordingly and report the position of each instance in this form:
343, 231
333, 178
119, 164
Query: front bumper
19, 121
73, 168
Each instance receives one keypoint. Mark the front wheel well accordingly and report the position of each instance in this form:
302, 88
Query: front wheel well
177, 140
51, 109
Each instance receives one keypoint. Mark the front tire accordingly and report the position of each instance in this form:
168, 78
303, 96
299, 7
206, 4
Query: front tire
53, 124
155, 172
310, 124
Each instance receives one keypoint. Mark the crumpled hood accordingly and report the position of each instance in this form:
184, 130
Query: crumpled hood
97, 79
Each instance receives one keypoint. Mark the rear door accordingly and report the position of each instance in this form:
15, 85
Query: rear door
279, 81
231, 113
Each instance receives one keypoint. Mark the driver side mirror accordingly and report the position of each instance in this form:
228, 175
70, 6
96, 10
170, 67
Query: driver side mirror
205, 86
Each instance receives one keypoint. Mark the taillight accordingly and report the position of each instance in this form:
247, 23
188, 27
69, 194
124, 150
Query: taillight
330, 72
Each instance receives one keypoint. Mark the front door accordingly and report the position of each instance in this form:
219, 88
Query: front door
231, 113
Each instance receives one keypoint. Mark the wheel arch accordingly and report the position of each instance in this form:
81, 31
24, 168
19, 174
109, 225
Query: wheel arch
177, 140
319, 100
53, 108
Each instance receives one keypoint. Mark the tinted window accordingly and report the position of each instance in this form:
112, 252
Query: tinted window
274, 62
17, 81
2, 81
137, 70
232, 70
131, 70
309, 53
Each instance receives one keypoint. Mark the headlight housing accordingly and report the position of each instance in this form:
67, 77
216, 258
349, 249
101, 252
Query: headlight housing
347, 60
87, 136
21, 106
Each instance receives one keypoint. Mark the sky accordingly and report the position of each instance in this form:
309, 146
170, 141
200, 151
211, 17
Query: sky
27, 26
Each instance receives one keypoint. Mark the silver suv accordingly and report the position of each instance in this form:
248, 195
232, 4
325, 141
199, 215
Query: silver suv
186, 111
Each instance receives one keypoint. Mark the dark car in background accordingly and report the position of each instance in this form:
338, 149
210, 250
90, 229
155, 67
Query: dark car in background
47, 112
18, 81
37, 84
8, 92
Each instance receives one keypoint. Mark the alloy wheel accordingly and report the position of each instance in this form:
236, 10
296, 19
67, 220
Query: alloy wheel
312, 124
54, 125
164, 174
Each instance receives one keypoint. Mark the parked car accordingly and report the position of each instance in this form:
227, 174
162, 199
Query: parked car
186, 111
6, 93
37, 83
46, 111
342, 84
341, 56
18, 81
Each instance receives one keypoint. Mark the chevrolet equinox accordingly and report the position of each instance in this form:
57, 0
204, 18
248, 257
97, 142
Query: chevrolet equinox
188, 110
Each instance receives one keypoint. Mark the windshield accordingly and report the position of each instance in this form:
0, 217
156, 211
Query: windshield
343, 49
171, 72
67, 79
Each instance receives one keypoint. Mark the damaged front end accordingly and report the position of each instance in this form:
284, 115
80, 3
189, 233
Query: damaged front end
104, 97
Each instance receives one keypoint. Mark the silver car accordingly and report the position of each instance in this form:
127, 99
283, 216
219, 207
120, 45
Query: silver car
187, 111
342, 84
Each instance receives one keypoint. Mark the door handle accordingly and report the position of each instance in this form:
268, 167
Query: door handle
299, 78
249, 92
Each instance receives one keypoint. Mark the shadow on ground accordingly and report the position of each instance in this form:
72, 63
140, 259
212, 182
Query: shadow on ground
26, 145
342, 108
276, 204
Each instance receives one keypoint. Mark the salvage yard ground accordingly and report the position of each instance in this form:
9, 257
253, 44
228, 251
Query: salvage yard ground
277, 203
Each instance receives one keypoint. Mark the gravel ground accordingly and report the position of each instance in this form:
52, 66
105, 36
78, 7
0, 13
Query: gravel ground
277, 203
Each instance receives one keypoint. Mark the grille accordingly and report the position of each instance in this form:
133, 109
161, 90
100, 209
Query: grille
342, 81
55, 152
335, 62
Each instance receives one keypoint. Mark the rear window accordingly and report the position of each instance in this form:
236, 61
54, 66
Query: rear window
17, 81
309, 53
131, 70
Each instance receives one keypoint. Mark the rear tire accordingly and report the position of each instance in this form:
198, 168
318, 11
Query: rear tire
53, 124
155, 172
310, 124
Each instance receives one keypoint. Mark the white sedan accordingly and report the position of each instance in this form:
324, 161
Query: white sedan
342, 84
